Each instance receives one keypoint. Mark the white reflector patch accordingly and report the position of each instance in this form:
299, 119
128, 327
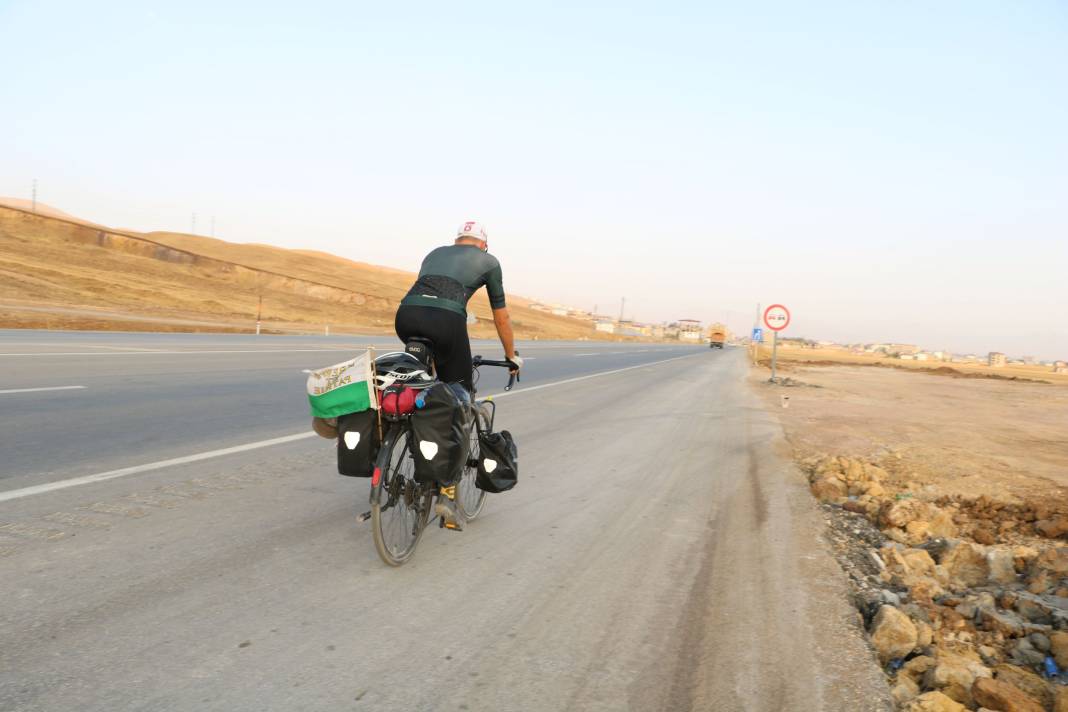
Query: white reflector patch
428, 449
352, 439
489, 465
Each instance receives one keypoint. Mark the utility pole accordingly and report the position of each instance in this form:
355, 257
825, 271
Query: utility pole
33, 202
622, 304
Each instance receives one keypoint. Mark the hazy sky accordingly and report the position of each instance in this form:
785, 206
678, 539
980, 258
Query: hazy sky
889, 170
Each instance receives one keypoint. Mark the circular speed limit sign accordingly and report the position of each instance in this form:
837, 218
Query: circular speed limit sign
776, 317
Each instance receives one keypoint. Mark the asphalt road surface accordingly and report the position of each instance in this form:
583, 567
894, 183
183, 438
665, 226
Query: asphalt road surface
171, 538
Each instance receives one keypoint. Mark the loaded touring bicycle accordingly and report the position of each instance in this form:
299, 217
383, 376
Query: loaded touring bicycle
423, 434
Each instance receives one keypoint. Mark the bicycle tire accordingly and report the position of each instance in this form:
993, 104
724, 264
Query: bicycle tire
469, 499
401, 504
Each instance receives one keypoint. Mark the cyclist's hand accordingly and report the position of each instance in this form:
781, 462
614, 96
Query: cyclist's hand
516, 362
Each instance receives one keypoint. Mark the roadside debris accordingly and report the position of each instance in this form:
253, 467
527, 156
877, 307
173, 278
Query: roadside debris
965, 600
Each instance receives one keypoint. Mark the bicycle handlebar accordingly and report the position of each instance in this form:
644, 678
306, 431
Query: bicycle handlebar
512, 376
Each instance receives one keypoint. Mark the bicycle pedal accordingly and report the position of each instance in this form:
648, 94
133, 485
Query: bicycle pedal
363, 517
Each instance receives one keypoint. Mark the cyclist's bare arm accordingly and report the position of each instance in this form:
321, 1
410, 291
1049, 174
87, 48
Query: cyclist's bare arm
503, 322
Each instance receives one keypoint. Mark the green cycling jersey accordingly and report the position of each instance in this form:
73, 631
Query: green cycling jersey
450, 275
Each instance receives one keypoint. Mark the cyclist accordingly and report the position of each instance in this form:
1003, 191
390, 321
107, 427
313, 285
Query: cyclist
435, 308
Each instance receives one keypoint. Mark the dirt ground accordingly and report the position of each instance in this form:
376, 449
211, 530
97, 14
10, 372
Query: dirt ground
946, 503
951, 436
790, 353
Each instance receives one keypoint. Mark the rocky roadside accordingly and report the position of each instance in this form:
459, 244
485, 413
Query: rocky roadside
965, 600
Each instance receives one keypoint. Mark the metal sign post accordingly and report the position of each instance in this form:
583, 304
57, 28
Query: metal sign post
774, 353
776, 318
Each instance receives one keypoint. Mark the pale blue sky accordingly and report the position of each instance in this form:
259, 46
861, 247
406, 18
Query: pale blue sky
889, 170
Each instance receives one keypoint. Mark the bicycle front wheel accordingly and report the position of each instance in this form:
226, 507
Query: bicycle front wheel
400, 508
469, 498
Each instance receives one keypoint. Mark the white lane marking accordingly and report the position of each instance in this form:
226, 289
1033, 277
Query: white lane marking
38, 390
593, 354
160, 353
581, 378
137, 469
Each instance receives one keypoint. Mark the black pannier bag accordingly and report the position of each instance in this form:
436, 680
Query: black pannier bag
439, 441
498, 462
357, 443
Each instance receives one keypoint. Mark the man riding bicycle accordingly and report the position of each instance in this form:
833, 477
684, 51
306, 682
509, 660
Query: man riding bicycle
435, 308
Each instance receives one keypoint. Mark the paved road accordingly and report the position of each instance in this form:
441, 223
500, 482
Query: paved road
128, 397
657, 555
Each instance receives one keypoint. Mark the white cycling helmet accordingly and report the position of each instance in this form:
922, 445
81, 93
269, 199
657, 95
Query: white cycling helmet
402, 368
472, 229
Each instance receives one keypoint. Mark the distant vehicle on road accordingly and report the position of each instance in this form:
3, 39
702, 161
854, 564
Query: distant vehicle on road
717, 337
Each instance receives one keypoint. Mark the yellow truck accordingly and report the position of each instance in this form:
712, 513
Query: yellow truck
717, 336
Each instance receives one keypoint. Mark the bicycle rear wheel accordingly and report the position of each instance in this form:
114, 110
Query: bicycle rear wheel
400, 509
469, 498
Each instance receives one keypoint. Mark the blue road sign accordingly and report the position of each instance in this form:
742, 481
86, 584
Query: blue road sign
758, 334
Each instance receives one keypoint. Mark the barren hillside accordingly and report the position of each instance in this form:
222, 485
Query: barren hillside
61, 272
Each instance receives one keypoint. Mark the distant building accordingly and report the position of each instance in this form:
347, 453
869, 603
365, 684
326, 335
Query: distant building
607, 327
1060, 366
922, 356
996, 359
689, 329
906, 357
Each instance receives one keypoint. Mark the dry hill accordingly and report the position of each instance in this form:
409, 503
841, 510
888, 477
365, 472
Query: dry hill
61, 272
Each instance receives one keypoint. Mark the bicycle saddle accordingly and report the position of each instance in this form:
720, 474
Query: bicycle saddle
422, 349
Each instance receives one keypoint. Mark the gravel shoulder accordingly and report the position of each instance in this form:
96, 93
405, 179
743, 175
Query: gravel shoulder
946, 506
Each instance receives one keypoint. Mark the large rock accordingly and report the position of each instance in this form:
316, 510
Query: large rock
1009, 625
904, 689
898, 513
1058, 648
1030, 683
917, 666
1052, 561
966, 565
913, 569
1025, 653
1002, 696
829, 489
1044, 610
893, 634
1002, 565
1052, 528
954, 675
941, 525
933, 702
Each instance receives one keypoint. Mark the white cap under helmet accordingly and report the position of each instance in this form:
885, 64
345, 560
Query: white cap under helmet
472, 229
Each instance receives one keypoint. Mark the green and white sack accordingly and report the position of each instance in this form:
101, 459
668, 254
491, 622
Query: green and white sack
343, 388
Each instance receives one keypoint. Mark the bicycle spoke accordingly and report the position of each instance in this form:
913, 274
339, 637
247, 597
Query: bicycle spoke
400, 520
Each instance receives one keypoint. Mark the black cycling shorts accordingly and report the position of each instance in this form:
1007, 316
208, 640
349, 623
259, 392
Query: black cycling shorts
448, 331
